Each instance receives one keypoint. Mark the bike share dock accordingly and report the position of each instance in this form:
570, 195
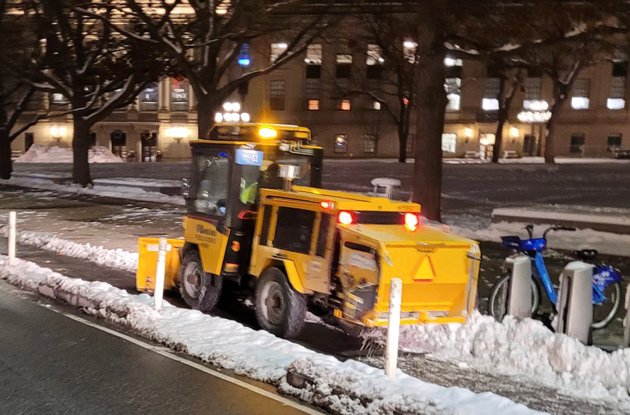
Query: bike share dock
603, 222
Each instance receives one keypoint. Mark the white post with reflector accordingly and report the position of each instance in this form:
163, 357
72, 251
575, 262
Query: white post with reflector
393, 328
159, 273
626, 320
12, 236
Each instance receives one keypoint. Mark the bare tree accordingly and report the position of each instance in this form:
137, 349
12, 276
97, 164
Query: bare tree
15, 95
204, 38
88, 64
510, 82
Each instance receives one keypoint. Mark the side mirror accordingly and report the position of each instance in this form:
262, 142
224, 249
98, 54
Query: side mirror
185, 191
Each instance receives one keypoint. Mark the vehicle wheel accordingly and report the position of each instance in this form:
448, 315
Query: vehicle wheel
498, 300
279, 308
198, 289
604, 313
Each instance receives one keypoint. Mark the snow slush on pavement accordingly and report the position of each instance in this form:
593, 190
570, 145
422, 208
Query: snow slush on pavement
259, 219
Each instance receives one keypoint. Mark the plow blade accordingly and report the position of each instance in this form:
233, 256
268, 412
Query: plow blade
147, 263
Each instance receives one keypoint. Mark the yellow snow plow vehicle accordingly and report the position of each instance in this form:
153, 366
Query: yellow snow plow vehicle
258, 217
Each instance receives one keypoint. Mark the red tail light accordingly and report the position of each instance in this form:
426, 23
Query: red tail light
412, 220
345, 218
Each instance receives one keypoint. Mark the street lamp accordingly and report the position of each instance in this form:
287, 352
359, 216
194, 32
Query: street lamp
178, 133
57, 132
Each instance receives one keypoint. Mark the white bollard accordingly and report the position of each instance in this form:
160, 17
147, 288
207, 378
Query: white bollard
12, 236
626, 320
575, 301
159, 273
393, 328
519, 302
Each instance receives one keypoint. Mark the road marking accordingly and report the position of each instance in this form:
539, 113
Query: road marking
166, 352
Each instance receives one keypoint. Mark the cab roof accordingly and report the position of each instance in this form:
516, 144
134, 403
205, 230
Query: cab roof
259, 132
337, 200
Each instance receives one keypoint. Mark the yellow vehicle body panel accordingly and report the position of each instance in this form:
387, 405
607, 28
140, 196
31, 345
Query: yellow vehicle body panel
147, 263
438, 270
209, 240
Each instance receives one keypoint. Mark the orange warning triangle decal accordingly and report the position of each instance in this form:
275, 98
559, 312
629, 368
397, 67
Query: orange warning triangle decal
424, 269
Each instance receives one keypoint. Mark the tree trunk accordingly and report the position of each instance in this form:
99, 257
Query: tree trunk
403, 137
80, 150
431, 107
498, 136
6, 166
549, 150
206, 108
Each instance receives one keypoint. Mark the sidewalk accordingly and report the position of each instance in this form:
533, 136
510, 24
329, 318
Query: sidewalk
617, 222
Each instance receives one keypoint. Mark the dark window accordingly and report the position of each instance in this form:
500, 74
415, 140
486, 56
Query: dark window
343, 71
179, 94
577, 143
620, 69
613, 142
313, 71
264, 232
312, 87
149, 97
294, 229
276, 95
29, 139
374, 71
322, 238
453, 71
369, 145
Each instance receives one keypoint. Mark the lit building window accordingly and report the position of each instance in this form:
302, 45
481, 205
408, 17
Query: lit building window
369, 143
409, 50
57, 98
341, 143
490, 101
344, 105
277, 49
276, 94
149, 97
313, 55
179, 94
452, 86
450, 61
313, 105
580, 96
449, 142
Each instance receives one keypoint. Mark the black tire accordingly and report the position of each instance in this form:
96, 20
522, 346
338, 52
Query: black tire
497, 307
608, 310
199, 290
279, 308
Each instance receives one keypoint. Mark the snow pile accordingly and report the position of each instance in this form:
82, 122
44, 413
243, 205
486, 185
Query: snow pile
526, 348
40, 153
113, 258
604, 242
351, 387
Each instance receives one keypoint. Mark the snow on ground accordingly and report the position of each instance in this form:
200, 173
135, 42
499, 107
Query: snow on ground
525, 349
346, 388
113, 258
604, 242
513, 348
39, 153
118, 192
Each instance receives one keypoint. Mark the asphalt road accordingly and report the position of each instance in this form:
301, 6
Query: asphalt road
53, 364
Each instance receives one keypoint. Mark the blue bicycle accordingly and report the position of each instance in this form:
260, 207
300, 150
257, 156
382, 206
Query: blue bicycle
606, 279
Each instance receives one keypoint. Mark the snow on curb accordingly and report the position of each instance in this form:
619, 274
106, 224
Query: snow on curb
526, 348
113, 258
349, 388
